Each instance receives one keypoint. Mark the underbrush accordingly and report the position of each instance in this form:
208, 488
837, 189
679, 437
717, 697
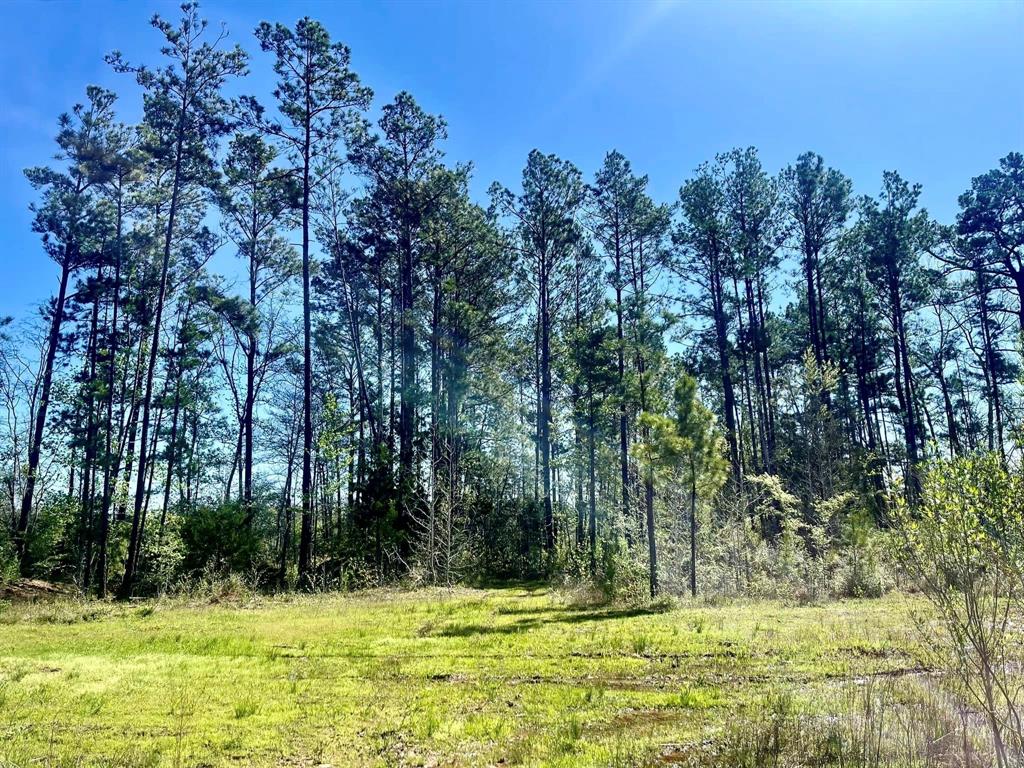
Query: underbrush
909, 722
8, 558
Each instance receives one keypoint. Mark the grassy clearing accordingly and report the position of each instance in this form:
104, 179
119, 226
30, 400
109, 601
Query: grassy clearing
467, 677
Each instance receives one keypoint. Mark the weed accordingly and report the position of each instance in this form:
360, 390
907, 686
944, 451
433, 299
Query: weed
641, 644
246, 708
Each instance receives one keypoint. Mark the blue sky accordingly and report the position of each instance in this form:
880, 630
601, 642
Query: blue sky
932, 89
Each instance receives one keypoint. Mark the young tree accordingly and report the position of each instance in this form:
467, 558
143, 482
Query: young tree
702, 453
684, 442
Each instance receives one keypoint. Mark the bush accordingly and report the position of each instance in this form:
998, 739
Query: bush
870, 723
759, 546
764, 544
219, 539
863, 567
621, 575
963, 546
163, 555
8, 558
53, 541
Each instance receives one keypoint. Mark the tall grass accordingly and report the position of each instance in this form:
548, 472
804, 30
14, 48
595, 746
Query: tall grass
872, 723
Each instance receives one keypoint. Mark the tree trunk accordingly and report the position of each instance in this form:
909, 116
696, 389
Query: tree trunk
652, 544
592, 490
306, 533
21, 534
108, 474
728, 393
545, 412
623, 412
172, 446
89, 462
693, 528
250, 391
134, 542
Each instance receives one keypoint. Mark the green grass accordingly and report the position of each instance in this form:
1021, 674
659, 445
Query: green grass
467, 677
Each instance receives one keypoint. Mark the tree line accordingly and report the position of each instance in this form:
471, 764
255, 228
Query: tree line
398, 381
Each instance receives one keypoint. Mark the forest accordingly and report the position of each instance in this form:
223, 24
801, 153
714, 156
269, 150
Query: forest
773, 387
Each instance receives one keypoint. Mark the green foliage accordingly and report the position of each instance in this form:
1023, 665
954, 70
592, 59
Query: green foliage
620, 575
163, 556
967, 530
865, 567
506, 540
8, 557
759, 545
53, 544
992, 214
963, 545
218, 539
491, 393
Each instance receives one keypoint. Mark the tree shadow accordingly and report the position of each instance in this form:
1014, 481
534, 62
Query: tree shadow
537, 618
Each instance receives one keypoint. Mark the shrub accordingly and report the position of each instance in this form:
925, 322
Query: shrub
872, 723
53, 541
8, 558
219, 539
163, 553
863, 567
620, 575
963, 546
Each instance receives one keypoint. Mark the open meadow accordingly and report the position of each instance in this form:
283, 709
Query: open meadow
446, 384
515, 676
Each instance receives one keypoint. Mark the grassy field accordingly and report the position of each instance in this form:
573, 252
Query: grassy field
516, 676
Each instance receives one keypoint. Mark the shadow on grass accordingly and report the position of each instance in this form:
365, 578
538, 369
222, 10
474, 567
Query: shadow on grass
529, 586
544, 617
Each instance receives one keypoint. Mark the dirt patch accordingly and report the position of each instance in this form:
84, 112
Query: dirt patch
32, 590
684, 754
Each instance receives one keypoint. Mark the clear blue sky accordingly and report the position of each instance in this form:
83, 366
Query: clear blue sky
932, 89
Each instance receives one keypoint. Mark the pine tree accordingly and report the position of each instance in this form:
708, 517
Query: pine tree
406, 186
184, 115
895, 235
817, 200
318, 95
545, 219
71, 226
257, 199
704, 260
